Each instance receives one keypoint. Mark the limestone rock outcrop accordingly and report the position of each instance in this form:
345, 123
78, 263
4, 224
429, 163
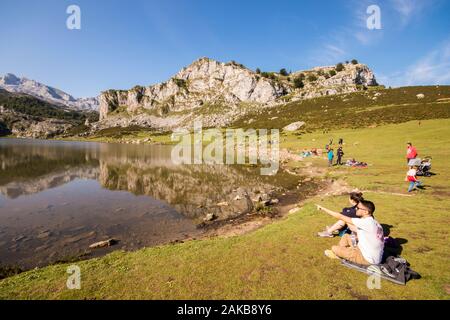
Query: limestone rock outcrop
221, 93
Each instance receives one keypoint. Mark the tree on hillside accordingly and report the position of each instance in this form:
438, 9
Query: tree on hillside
339, 67
354, 61
258, 70
332, 73
312, 78
284, 72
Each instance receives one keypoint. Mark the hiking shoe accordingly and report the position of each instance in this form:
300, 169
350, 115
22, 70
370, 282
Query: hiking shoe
325, 234
330, 254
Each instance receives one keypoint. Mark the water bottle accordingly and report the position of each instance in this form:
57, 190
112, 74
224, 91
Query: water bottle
353, 237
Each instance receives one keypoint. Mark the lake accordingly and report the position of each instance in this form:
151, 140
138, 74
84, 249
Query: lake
57, 198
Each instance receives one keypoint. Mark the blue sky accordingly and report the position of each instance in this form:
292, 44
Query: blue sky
125, 43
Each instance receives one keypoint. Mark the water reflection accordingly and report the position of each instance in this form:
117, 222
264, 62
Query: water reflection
56, 198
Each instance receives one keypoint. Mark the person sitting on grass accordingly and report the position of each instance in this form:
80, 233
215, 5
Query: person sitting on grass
370, 241
354, 199
411, 177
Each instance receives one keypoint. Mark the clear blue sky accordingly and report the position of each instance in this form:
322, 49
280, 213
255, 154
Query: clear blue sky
125, 43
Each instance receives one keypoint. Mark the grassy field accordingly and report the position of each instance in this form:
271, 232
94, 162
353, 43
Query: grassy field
285, 260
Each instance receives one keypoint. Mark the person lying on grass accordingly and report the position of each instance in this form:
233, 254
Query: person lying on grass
354, 199
370, 243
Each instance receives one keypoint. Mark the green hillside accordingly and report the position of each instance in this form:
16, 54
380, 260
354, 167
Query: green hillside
375, 106
32, 106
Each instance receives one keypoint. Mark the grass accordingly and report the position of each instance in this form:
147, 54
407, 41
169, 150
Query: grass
373, 107
285, 260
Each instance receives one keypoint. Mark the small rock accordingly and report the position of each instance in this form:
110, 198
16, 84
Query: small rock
102, 244
294, 126
223, 204
274, 201
210, 217
44, 234
420, 96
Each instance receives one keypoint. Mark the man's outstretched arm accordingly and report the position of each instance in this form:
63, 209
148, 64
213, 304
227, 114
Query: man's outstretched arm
337, 215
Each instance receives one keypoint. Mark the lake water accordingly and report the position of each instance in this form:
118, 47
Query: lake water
57, 198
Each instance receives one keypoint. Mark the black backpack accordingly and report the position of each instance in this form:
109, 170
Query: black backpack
399, 269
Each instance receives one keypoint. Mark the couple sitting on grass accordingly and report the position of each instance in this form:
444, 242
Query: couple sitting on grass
367, 246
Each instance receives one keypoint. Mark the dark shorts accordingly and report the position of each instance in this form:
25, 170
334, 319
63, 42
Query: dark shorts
349, 212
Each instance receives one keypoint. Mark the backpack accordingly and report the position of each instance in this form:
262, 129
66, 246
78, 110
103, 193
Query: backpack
399, 269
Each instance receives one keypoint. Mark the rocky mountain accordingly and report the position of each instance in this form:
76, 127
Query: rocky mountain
12, 83
222, 92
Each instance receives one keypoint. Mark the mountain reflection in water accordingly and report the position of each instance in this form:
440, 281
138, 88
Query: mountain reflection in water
57, 198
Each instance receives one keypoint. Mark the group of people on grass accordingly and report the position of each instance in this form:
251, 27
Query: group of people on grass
362, 239
339, 153
365, 244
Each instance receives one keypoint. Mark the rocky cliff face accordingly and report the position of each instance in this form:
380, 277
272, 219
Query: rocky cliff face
208, 86
204, 81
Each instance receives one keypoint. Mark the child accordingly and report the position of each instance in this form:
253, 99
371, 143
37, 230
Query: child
412, 179
330, 157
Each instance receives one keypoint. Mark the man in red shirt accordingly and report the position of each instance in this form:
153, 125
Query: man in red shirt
411, 152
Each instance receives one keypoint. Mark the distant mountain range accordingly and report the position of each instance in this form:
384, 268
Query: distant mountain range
12, 83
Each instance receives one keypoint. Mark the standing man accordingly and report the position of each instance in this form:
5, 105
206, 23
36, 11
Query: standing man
340, 154
411, 152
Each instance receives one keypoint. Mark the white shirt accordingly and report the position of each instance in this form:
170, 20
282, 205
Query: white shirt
370, 239
411, 172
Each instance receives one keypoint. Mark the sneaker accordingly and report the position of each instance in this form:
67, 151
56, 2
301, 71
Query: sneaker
336, 232
325, 234
330, 254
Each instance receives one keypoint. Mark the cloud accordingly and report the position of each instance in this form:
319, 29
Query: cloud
329, 52
409, 9
431, 69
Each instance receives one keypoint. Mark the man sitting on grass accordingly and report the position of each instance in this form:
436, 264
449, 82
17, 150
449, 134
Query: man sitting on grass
370, 240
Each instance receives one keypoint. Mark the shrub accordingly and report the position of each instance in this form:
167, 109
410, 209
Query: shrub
284, 72
312, 78
332, 73
339, 67
181, 83
298, 82
354, 61
258, 70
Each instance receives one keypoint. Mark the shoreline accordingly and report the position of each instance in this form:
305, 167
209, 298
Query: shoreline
240, 225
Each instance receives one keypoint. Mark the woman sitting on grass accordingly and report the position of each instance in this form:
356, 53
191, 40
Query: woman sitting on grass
354, 199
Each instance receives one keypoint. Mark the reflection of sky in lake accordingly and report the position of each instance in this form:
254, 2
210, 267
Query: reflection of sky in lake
57, 198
